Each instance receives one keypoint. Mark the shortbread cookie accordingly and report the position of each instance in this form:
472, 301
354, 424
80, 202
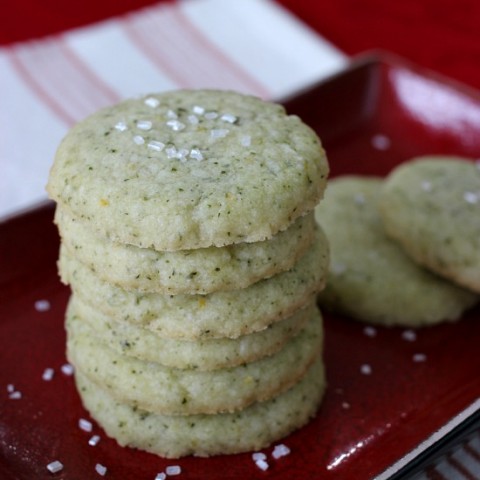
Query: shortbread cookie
431, 205
370, 277
153, 387
197, 271
254, 428
204, 354
221, 314
189, 169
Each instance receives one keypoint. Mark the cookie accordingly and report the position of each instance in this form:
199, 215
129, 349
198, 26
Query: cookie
431, 206
126, 338
155, 388
370, 277
220, 314
189, 169
253, 428
199, 271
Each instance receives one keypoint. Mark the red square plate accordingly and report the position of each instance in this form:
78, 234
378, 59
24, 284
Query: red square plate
377, 113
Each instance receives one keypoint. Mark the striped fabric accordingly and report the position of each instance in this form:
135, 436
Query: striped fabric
462, 462
48, 84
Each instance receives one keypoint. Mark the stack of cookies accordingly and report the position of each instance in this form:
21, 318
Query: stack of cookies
191, 248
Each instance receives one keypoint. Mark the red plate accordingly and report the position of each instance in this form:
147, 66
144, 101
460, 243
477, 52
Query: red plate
370, 117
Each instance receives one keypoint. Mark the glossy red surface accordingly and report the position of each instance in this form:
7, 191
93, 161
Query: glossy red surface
367, 422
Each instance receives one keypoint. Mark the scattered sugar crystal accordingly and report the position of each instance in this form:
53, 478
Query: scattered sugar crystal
419, 357
48, 374
228, 117
85, 425
359, 199
426, 186
198, 110
144, 125
173, 470
218, 133
280, 450
67, 369
94, 440
409, 335
171, 152
182, 154
42, 305
345, 405
380, 142
196, 154
471, 197
370, 331
172, 115
100, 469
121, 126
258, 456
262, 464
156, 145
55, 466
176, 125
10, 388
366, 369
246, 140
192, 119
16, 395
211, 115
152, 102
161, 476
338, 268
138, 139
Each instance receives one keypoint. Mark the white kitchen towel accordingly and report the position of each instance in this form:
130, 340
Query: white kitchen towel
48, 84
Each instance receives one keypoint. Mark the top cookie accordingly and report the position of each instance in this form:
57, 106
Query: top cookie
431, 205
189, 169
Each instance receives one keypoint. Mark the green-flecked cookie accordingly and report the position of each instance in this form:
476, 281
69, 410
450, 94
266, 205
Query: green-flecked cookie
370, 276
253, 428
156, 388
130, 339
431, 205
189, 169
197, 271
220, 314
